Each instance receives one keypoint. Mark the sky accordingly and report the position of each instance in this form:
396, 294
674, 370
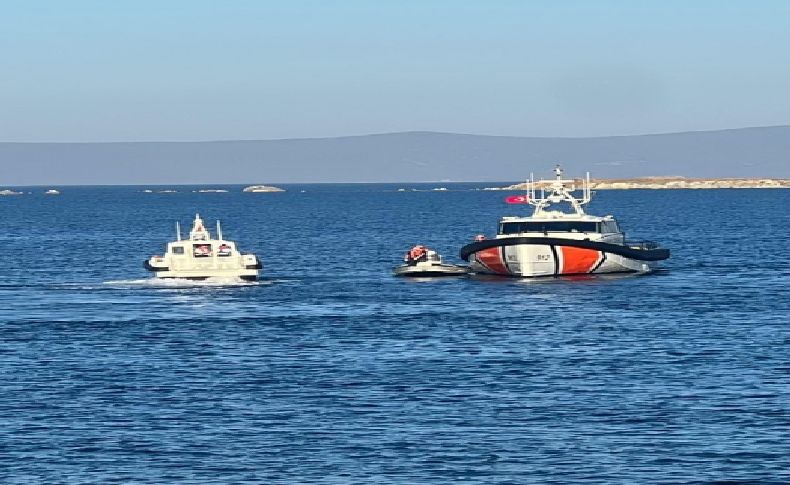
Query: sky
84, 71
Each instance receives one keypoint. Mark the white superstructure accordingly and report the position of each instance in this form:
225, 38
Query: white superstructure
553, 241
201, 257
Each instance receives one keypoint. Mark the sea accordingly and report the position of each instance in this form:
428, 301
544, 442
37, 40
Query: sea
329, 370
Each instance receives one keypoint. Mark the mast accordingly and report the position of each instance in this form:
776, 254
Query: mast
198, 232
561, 190
178, 231
219, 231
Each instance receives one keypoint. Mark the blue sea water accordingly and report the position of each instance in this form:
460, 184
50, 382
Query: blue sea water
330, 370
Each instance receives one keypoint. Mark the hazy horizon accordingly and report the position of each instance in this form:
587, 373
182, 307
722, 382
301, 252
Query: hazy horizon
406, 157
359, 135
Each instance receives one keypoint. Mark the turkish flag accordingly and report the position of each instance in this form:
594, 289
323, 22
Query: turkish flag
517, 199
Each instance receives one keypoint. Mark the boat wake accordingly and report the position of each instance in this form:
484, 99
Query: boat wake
184, 283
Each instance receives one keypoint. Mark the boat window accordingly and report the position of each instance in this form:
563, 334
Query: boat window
548, 226
223, 250
201, 250
610, 227
178, 249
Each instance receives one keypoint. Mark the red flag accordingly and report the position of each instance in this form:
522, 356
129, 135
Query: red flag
517, 199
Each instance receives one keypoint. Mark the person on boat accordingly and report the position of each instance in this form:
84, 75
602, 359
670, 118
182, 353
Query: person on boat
223, 250
416, 254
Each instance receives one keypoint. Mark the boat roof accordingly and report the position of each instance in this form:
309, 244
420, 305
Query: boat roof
557, 216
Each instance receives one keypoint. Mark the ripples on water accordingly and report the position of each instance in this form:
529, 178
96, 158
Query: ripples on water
332, 371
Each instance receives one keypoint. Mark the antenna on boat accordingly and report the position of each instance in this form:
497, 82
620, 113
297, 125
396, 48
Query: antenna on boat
531, 191
587, 192
219, 231
178, 231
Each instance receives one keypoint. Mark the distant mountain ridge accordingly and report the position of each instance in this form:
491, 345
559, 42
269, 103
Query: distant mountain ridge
399, 157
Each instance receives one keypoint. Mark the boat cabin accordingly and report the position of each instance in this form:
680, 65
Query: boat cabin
203, 249
559, 213
200, 243
522, 225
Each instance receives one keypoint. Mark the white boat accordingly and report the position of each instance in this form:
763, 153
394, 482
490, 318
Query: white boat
201, 257
421, 261
552, 242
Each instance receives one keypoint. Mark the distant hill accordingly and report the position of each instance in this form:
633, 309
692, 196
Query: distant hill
399, 157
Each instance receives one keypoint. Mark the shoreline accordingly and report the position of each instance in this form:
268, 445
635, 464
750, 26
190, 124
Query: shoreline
658, 183
668, 183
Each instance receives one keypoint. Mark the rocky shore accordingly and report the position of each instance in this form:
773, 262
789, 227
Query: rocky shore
263, 188
670, 183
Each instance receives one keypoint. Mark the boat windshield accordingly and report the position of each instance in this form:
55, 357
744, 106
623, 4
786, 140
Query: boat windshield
548, 226
201, 250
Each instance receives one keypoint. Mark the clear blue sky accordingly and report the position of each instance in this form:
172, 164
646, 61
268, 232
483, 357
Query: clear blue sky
203, 70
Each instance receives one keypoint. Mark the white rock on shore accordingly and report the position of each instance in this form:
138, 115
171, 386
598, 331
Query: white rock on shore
263, 188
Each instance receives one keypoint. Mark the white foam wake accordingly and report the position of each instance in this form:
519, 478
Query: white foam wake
182, 283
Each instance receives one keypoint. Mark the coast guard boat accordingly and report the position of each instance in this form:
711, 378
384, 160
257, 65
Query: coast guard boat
201, 257
553, 242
